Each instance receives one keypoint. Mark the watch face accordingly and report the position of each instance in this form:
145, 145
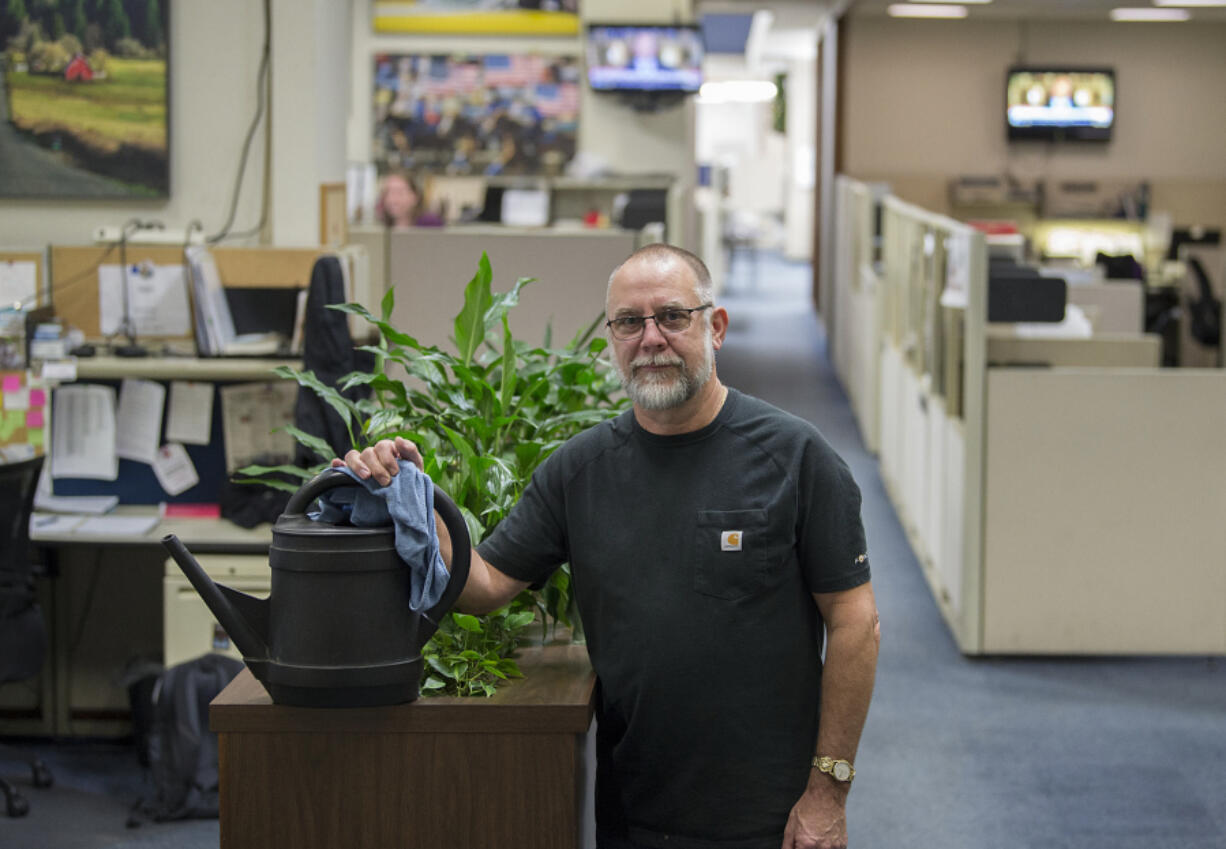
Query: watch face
842, 771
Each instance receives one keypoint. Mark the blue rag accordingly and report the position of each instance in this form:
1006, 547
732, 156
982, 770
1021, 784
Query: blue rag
408, 504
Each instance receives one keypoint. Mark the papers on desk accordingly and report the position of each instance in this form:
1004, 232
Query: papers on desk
116, 526
52, 523
140, 420
156, 302
83, 433
96, 504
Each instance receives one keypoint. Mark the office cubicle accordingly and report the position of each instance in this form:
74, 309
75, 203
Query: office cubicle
1062, 496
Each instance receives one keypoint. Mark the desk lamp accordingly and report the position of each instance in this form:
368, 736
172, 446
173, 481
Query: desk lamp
127, 327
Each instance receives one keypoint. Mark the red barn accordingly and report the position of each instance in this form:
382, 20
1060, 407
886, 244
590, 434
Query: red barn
78, 70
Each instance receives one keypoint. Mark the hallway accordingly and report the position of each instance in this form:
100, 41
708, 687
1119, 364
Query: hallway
972, 753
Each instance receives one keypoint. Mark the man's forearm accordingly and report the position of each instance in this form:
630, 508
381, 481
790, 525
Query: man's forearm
847, 686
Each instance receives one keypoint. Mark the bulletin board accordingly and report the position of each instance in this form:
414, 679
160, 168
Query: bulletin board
24, 411
74, 275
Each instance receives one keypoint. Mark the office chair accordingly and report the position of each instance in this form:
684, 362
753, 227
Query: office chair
23, 633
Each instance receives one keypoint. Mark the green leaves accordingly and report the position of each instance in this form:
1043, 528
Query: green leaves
470, 323
485, 417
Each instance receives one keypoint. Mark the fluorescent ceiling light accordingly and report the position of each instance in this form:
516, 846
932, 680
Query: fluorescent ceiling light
923, 10
737, 91
971, 2
1190, 2
1147, 14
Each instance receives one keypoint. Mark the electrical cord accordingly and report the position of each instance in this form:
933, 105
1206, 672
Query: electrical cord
261, 85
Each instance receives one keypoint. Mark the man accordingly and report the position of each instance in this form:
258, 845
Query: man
710, 537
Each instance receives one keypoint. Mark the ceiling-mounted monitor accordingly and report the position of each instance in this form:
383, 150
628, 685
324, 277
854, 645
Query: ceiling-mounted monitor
1060, 103
636, 58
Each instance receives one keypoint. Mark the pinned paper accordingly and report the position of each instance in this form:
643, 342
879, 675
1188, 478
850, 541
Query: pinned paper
38, 397
12, 382
174, 469
18, 282
189, 413
83, 433
34, 418
17, 399
156, 302
139, 429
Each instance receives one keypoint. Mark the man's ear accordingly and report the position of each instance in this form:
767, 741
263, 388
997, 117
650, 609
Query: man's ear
719, 327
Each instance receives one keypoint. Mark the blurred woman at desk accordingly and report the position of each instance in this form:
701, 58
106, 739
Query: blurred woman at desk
397, 206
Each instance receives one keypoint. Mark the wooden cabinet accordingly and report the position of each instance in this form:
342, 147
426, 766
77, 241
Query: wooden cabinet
438, 773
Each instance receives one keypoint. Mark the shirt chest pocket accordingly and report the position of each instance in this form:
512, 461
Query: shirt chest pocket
735, 553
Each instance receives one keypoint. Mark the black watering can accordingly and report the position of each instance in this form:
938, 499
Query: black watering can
336, 630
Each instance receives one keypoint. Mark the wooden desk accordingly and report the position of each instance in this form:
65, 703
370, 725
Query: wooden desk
438, 773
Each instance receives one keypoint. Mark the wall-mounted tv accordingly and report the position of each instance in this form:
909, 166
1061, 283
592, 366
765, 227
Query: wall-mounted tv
1060, 103
630, 58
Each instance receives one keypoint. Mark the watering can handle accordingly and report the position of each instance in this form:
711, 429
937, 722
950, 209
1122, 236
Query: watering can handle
461, 558
315, 487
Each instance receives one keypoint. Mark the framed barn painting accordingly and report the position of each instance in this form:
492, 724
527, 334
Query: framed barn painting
83, 99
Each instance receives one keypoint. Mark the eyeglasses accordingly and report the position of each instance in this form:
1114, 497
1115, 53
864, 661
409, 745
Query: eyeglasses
671, 320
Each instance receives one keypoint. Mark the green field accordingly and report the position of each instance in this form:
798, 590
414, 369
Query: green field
128, 106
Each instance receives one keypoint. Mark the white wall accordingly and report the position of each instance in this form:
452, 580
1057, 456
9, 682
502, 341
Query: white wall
214, 62
214, 57
928, 97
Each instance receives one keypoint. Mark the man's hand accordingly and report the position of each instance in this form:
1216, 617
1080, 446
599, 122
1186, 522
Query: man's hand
380, 459
819, 819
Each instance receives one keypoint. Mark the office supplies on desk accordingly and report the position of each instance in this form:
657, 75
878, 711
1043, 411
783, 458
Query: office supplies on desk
83, 433
117, 526
95, 504
214, 327
54, 523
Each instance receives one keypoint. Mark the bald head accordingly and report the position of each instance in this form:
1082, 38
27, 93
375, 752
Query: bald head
668, 259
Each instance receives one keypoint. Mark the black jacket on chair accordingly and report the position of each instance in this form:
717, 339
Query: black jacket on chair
328, 351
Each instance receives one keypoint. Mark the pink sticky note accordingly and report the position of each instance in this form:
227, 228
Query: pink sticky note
34, 418
38, 398
12, 382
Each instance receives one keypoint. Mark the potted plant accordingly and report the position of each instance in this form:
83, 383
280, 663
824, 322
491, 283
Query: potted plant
485, 416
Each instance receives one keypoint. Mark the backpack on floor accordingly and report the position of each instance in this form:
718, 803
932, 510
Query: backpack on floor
182, 749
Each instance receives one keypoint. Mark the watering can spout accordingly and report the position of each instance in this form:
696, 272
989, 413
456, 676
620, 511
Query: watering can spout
244, 618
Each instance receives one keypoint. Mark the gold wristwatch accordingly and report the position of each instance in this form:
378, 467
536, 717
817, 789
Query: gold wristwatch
839, 770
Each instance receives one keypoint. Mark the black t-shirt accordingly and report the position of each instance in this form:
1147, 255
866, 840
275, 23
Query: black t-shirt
694, 560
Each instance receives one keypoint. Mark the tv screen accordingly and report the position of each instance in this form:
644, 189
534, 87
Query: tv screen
1061, 103
644, 58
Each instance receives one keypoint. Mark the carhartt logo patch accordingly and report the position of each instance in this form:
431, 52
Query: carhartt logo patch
730, 540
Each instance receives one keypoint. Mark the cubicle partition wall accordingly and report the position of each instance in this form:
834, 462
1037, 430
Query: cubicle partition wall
1062, 496
429, 269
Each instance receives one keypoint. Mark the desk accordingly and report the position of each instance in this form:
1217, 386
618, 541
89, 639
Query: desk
104, 606
438, 773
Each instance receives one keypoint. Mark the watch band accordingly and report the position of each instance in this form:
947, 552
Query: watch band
836, 768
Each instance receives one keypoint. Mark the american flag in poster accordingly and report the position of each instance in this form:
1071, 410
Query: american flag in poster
514, 71
557, 100
445, 78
